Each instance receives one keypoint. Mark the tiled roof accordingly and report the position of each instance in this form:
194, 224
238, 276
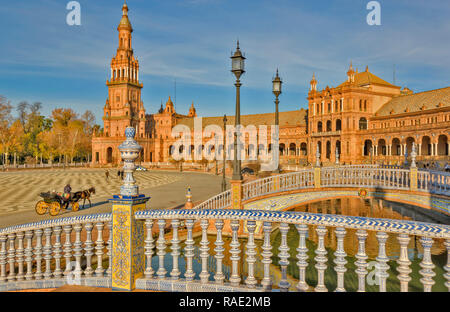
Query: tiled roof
366, 78
416, 102
292, 118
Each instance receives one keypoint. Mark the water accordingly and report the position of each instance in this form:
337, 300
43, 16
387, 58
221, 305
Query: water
343, 206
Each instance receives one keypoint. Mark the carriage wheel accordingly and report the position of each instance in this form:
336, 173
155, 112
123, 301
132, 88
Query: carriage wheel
55, 207
75, 207
41, 207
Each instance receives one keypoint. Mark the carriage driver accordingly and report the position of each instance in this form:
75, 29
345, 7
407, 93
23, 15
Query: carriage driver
67, 192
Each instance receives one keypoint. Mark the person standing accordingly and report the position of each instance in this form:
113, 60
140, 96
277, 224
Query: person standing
107, 175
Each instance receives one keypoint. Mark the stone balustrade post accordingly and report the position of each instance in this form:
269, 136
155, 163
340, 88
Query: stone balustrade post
236, 194
128, 258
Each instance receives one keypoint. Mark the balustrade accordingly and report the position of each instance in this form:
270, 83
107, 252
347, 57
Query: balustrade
41, 251
248, 277
35, 252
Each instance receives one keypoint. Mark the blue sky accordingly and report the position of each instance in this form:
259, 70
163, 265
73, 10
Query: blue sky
43, 59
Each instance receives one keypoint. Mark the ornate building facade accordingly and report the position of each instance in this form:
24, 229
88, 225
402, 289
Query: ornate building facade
365, 119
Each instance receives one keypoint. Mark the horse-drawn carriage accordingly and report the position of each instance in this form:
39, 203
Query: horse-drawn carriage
53, 202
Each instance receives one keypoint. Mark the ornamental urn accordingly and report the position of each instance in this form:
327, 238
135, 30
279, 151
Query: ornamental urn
129, 150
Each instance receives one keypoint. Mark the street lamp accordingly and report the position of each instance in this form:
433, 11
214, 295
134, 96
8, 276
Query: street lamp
224, 181
276, 89
237, 67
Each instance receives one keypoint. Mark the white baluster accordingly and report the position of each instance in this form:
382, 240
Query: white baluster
57, 251
175, 250
361, 263
267, 256
67, 249
48, 252
427, 265
403, 262
234, 251
109, 248
161, 249
11, 256
77, 250
302, 257
149, 246
321, 259
204, 275
3, 258
189, 251
340, 259
251, 253
20, 256
219, 276
29, 255
284, 256
447, 266
382, 260
38, 254
99, 246
89, 249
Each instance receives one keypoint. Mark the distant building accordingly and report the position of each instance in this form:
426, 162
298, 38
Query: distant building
365, 119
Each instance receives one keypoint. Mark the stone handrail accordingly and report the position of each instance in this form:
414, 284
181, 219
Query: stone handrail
219, 201
34, 245
365, 177
337, 225
284, 182
436, 182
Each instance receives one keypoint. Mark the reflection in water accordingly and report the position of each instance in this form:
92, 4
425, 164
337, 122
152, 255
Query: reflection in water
341, 206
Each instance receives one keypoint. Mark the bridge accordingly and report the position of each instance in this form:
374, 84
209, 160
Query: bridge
118, 249
426, 189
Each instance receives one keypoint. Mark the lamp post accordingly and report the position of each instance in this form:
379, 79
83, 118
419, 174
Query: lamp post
237, 68
224, 181
276, 89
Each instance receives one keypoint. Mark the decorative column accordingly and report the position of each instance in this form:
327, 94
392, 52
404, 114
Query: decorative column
340, 259
128, 259
403, 262
382, 260
427, 265
361, 263
413, 169
236, 194
266, 254
321, 259
317, 169
302, 256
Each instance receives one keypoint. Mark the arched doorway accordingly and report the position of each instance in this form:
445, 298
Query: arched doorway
425, 149
396, 147
303, 149
282, 148
338, 147
338, 125
292, 149
109, 155
409, 144
328, 151
367, 147
329, 126
442, 147
382, 147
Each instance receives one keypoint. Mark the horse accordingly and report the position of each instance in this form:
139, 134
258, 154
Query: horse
86, 194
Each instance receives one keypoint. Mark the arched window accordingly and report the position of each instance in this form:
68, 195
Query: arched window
328, 125
363, 124
319, 126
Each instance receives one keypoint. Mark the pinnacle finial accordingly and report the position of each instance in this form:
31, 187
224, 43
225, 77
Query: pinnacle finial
238, 44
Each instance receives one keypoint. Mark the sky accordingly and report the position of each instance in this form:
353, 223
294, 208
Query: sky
44, 59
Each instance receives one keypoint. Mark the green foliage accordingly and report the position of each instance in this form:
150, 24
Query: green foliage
30, 135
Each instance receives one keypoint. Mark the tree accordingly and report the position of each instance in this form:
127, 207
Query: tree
5, 122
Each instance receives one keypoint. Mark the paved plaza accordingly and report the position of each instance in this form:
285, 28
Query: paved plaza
20, 190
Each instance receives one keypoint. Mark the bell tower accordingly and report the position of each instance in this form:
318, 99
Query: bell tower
124, 107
